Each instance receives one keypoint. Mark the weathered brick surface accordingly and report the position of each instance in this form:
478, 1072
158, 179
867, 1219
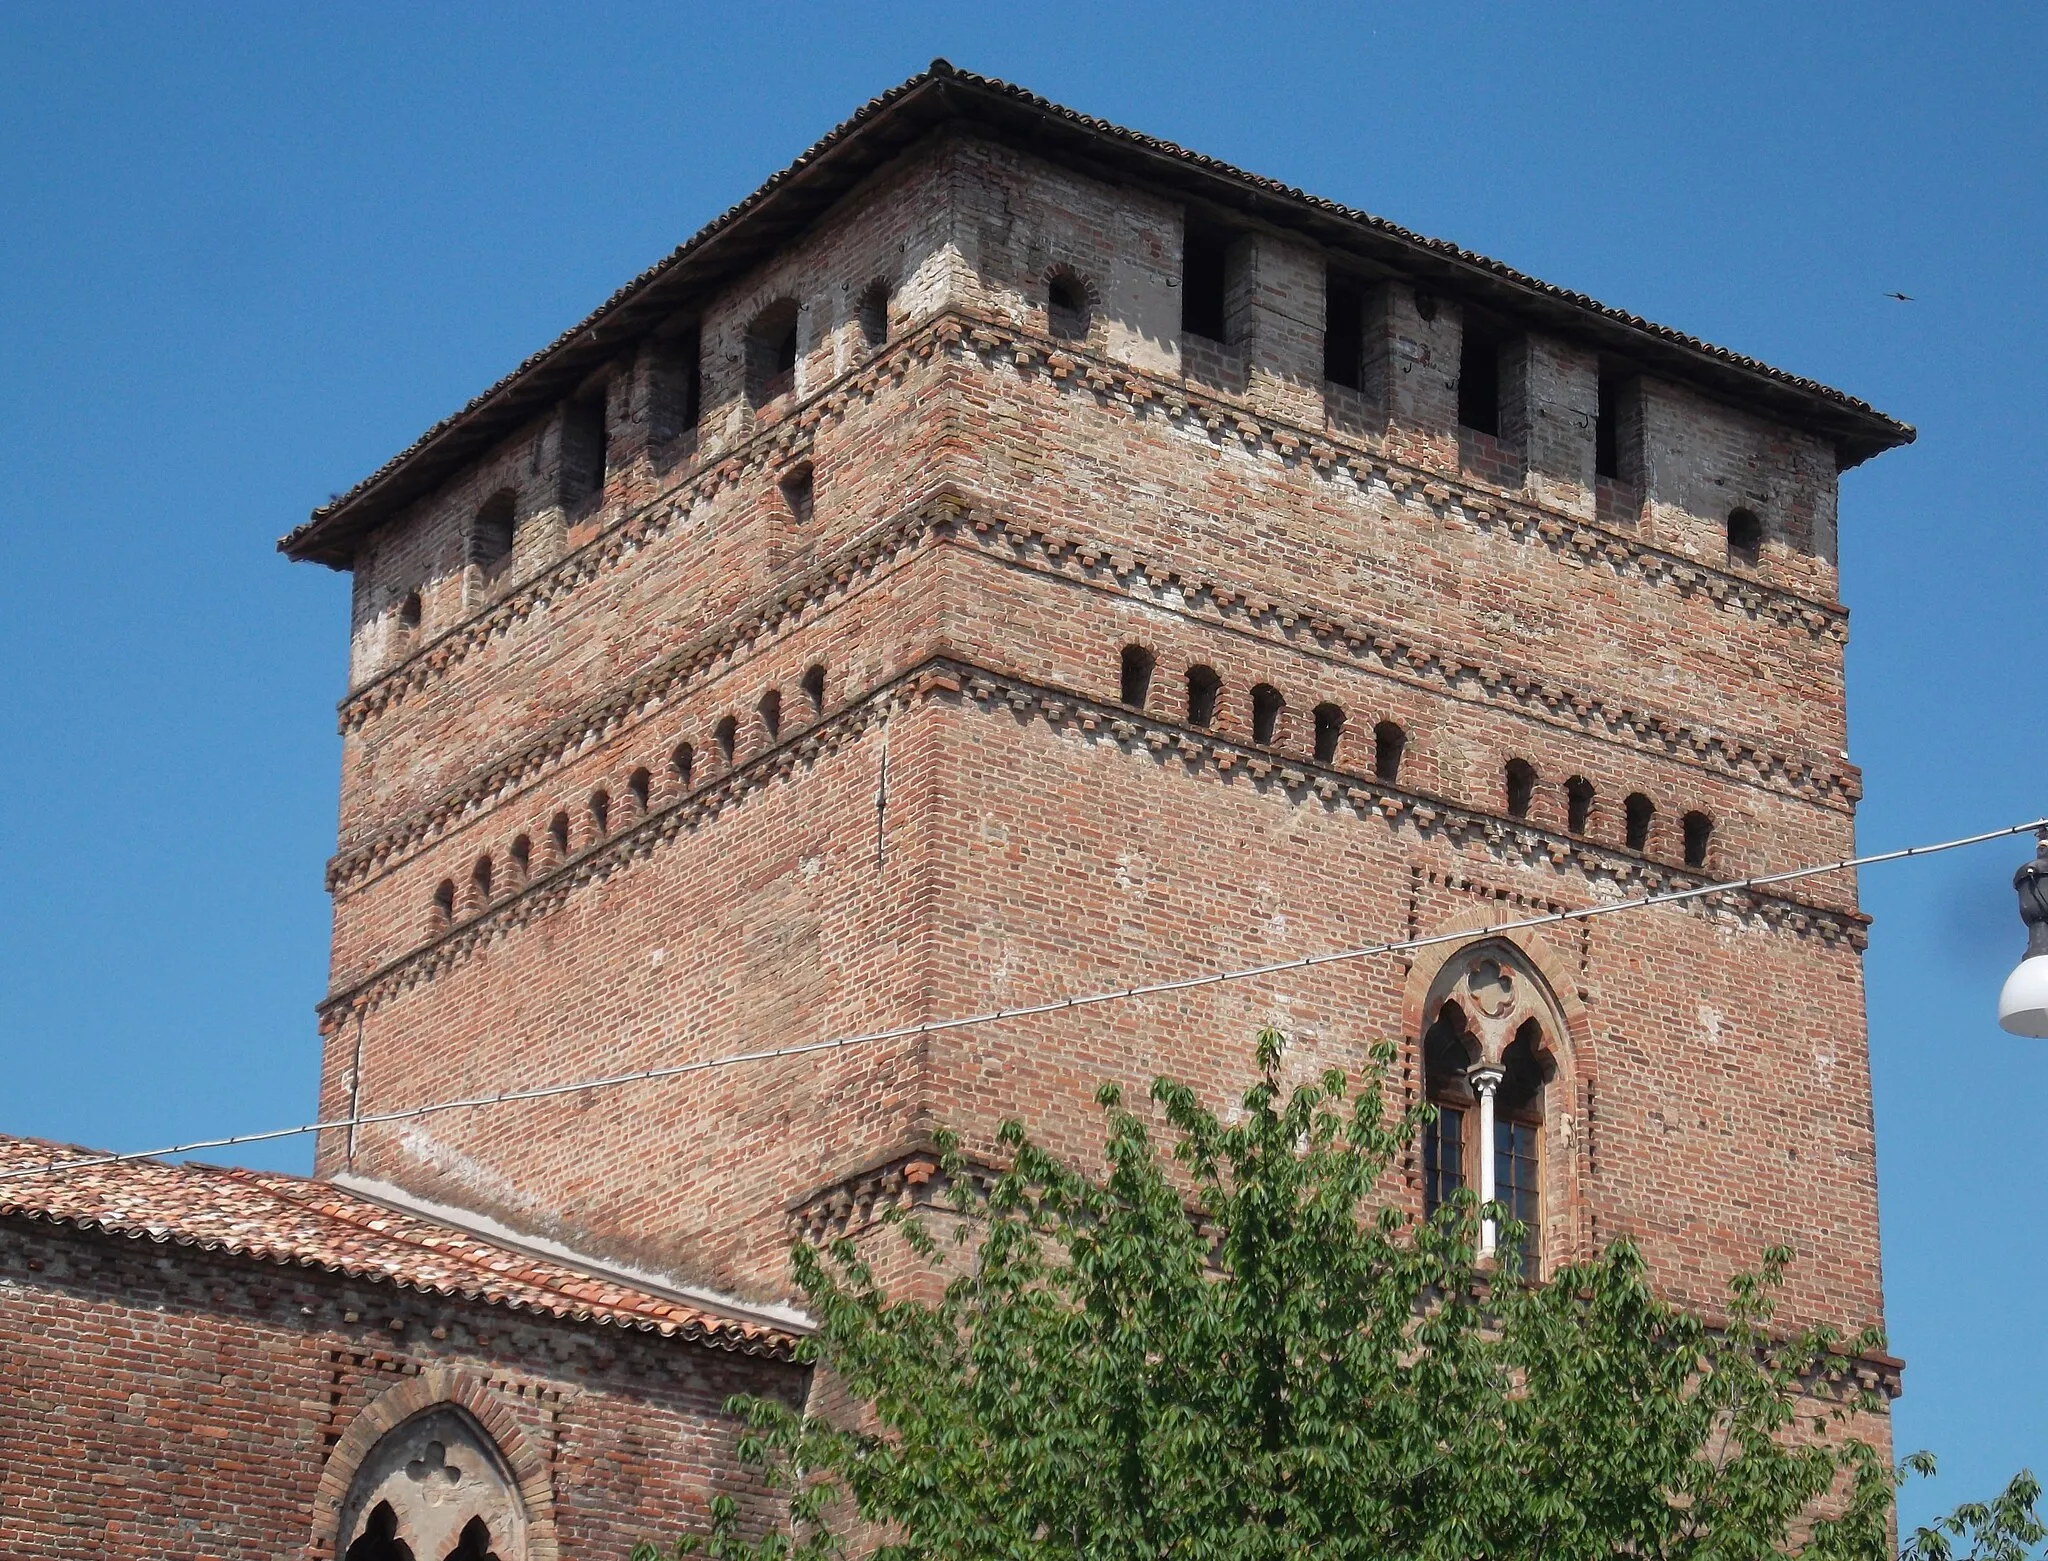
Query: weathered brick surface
997, 513
164, 1400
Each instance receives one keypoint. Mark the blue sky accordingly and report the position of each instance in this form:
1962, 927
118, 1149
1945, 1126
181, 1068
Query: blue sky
248, 252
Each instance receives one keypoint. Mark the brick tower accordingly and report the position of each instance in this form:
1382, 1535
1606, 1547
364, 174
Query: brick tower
1007, 557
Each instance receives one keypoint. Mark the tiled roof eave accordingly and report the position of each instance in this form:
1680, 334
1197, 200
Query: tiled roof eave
789, 200
762, 1343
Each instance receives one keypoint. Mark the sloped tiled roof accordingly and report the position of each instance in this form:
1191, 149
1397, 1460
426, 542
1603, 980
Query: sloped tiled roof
945, 96
298, 1222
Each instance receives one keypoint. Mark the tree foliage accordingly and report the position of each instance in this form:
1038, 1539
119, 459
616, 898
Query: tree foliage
1251, 1357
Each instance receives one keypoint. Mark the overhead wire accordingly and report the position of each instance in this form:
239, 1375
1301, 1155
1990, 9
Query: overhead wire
926, 1027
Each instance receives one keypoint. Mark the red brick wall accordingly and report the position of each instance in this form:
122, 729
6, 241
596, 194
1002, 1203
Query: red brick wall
996, 515
165, 1401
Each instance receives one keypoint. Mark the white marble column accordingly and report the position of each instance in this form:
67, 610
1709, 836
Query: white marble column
1484, 1081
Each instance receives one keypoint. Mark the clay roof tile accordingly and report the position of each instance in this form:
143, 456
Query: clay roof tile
292, 1220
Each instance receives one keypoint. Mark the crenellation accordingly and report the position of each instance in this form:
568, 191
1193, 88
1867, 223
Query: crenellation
1553, 421
1702, 460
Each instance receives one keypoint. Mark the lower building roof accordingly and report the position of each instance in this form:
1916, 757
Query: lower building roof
305, 1222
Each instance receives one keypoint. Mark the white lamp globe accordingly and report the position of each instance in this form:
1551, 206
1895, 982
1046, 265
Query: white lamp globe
2023, 1002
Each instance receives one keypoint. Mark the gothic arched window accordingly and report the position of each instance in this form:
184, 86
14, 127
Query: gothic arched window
434, 1488
1489, 1061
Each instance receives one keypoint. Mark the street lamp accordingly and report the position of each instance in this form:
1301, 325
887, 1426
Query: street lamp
2023, 1002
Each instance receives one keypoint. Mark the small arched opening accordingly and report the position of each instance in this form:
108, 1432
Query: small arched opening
1389, 745
771, 352
1578, 805
1520, 779
1137, 676
490, 534
1266, 707
1068, 309
1329, 732
1637, 813
1699, 835
874, 313
1204, 686
1745, 536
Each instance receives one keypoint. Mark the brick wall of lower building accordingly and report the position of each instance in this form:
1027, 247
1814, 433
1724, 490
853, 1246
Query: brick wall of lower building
166, 1401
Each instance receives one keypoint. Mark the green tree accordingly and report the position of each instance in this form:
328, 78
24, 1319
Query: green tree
1253, 1358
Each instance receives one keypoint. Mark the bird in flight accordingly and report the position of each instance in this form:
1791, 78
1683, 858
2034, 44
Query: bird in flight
1904, 298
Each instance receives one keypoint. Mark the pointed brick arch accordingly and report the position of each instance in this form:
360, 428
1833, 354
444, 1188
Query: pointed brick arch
438, 1387
1552, 964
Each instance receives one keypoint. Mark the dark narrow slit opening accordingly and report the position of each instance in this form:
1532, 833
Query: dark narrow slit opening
1479, 380
771, 352
1521, 787
1266, 707
1607, 429
1578, 804
1203, 687
1699, 834
1205, 257
490, 536
1637, 812
1389, 743
799, 492
1344, 334
677, 388
1066, 306
586, 446
1745, 536
874, 313
1137, 676
1329, 732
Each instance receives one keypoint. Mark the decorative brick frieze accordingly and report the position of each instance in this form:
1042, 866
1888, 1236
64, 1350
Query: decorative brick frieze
1392, 652
1289, 778
956, 335
835, 579
910, 1181
952, 515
